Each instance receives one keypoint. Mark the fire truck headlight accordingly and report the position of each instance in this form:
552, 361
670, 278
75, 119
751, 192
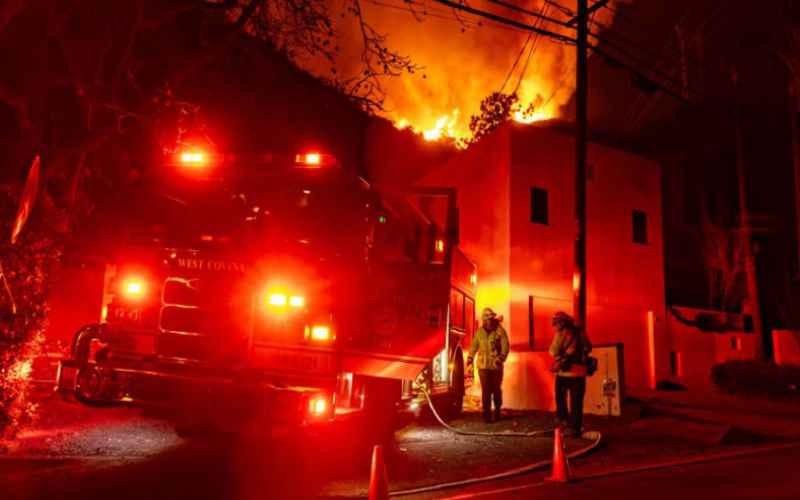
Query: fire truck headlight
276, 299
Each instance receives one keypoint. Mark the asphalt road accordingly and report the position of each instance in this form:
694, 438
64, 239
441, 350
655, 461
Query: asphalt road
769, 475
83, 453
106, 454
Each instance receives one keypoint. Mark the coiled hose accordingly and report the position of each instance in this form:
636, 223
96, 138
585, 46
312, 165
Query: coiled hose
592, 436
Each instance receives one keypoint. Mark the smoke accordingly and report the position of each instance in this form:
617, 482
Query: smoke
464, 59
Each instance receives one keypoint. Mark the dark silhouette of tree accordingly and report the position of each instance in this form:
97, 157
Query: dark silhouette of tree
723, 253
495, 110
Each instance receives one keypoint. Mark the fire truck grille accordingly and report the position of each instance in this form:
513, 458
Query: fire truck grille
201, 320
185, 347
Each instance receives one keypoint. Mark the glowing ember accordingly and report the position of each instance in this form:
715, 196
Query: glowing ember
537, 116
21, 370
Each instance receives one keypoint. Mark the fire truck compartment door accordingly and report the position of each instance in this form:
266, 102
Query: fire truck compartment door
406, 323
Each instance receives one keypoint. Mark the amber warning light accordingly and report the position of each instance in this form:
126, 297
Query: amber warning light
319, 333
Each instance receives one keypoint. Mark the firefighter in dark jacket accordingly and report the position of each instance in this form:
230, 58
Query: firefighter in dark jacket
570, 348
491, 343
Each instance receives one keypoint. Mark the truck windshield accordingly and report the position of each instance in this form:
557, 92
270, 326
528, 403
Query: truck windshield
323, 218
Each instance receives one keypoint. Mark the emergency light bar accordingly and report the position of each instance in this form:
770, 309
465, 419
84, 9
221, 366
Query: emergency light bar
196, 159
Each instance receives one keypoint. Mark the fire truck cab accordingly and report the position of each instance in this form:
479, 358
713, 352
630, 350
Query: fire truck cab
278, 289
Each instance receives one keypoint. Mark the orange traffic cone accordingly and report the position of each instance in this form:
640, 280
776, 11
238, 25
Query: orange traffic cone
378, 483
561, 472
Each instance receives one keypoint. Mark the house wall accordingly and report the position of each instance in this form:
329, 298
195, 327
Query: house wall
698, 351
625, 281
518, 259
786, 347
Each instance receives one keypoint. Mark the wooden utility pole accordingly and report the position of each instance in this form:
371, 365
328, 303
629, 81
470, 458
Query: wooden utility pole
794, 106
746, 230
581, 93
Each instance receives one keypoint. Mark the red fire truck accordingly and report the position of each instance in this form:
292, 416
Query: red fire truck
278, 288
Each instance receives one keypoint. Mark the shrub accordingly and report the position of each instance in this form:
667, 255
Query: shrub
756, 377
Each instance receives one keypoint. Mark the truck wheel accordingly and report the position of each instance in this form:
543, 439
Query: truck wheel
89, 385
456, 391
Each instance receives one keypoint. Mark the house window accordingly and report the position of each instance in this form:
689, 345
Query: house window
736, 344
539, 206
639, 227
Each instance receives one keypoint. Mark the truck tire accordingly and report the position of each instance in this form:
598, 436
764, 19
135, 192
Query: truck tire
456, 390
90, 385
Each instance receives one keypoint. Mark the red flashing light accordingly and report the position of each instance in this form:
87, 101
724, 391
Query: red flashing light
194, 159
314, 160
134, 288
319, 406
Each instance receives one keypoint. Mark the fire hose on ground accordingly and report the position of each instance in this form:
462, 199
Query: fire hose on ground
592, 436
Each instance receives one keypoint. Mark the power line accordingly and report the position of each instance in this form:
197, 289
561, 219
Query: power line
504, 20
538, 15
438, 13
622, 50
531, 51
558, 37
516, 62
443, 14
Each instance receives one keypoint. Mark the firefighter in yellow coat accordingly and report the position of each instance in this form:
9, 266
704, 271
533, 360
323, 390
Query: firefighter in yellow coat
491, 342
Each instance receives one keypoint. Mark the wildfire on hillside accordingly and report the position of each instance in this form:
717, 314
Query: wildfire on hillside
464, 59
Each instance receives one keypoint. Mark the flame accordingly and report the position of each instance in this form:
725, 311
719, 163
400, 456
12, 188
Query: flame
536, 116
464, 59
